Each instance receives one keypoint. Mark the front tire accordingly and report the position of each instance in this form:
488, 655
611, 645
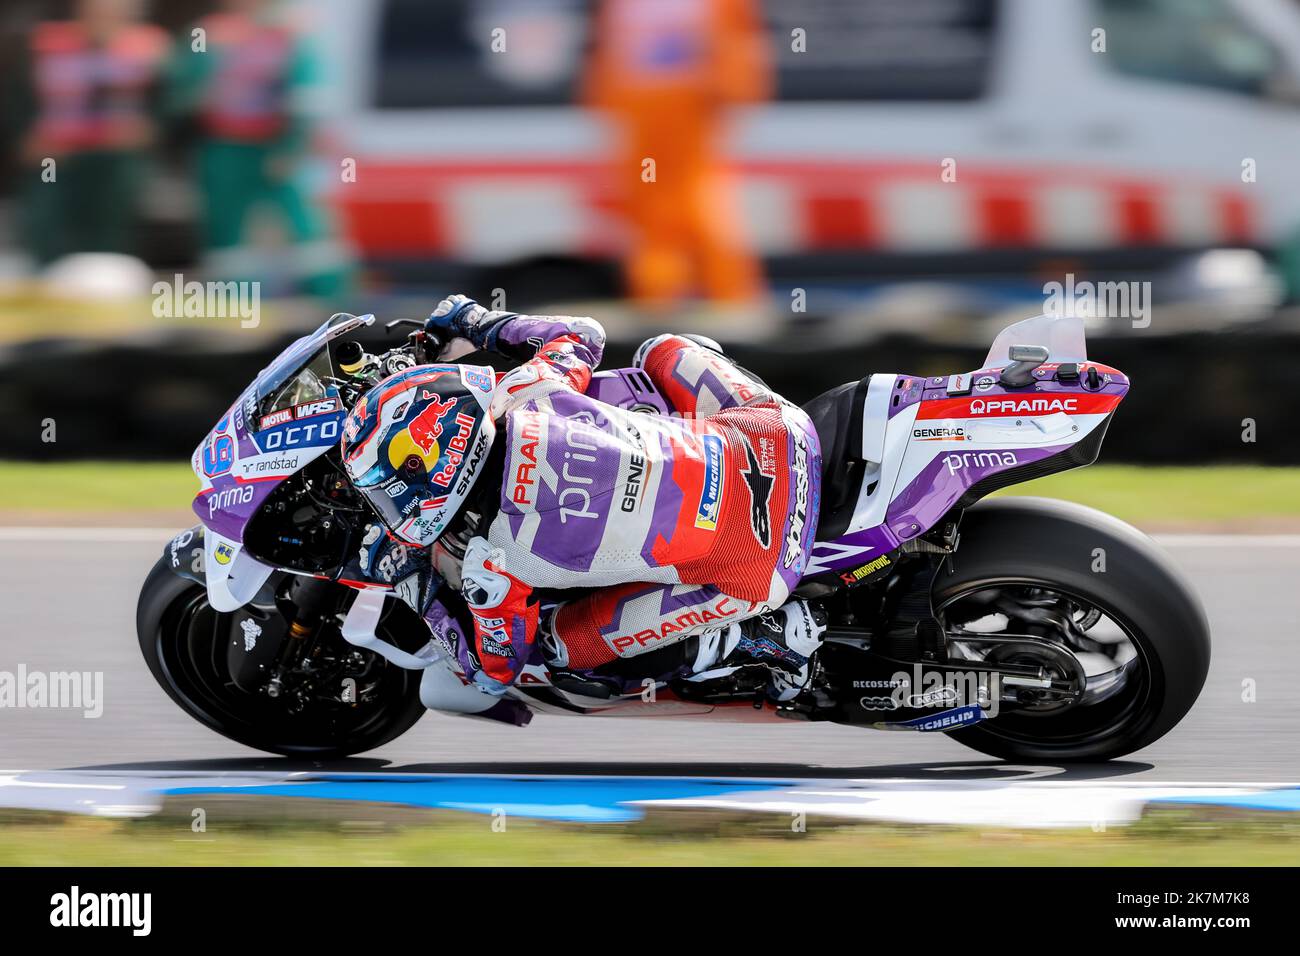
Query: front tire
1054, 554
184, 644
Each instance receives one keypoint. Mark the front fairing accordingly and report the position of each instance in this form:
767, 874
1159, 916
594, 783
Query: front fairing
249, 453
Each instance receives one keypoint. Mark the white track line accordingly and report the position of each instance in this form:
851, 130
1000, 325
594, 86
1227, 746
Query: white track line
1014, 804
1228, 540
159, 536
163, 535
8, 777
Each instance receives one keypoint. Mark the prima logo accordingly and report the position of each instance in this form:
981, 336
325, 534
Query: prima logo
577, 459
229, 498
979, 459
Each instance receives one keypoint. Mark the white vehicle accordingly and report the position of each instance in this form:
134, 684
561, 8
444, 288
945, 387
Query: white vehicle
910, 138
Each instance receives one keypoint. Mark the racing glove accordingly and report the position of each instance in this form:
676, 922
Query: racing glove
511, 334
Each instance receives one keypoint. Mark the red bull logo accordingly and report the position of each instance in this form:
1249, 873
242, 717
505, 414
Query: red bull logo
455, 450
427, 426
421, 436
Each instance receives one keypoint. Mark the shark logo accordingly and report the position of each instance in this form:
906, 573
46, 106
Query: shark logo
760, 493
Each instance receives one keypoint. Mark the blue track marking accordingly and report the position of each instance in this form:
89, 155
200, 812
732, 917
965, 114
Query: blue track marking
576, 799
1285, 800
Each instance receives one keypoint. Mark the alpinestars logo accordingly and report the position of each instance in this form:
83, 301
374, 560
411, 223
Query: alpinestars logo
799, 475
760, 494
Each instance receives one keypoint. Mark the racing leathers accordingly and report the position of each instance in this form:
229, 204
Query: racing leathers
684, 525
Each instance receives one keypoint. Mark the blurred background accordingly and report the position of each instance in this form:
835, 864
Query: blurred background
830, 187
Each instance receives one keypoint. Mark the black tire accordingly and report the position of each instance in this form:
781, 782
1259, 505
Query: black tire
189, 669
1053, 543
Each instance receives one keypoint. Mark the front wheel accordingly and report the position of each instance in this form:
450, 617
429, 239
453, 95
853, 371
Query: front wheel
1135, 639
330, 700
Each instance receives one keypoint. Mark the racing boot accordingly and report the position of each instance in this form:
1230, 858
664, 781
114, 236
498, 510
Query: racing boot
783, 641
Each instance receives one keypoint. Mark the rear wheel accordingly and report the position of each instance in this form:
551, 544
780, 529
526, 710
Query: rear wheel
1106, 613
337, 700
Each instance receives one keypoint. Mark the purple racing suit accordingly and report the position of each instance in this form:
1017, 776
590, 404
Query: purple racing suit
683, 523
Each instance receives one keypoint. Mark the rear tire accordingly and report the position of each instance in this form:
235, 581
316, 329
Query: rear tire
1027, 541
178, 632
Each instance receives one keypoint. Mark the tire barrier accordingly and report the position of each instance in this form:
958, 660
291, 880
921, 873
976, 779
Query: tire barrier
1193, 395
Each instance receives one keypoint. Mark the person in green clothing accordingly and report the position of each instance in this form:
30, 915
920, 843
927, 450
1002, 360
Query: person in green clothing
245, 78
1288, 265
80, 109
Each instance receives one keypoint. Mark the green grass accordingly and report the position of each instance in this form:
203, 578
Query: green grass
1172, 838
1141, 495
83, 486
27, 313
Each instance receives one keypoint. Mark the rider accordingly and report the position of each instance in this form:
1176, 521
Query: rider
690, 529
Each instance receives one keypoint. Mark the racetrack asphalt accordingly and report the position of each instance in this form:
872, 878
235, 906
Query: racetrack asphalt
69, 604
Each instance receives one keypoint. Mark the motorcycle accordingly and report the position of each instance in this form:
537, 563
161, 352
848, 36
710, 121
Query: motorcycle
1025, 628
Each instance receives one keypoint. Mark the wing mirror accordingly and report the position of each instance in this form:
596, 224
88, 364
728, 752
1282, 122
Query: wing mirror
1025, 359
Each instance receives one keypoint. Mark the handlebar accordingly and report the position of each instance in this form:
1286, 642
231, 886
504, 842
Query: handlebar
423, 346
426, 344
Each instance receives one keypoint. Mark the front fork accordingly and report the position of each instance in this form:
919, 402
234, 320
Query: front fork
309, 601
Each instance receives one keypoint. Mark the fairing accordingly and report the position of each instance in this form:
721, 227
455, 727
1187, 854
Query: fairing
256, 445
935, 443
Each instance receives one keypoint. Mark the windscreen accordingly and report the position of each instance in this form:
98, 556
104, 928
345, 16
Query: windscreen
299, 374
1062, 334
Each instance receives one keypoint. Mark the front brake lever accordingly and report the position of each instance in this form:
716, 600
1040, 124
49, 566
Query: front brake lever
427, 343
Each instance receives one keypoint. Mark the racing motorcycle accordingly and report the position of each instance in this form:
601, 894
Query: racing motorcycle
1026, 628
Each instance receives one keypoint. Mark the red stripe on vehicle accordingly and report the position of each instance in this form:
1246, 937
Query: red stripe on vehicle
1139, 217
1236, 218
1005, 219
837, 222
1027, 406
385, 226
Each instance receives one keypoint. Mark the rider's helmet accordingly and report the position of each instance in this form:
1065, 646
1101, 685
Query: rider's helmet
416, 442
